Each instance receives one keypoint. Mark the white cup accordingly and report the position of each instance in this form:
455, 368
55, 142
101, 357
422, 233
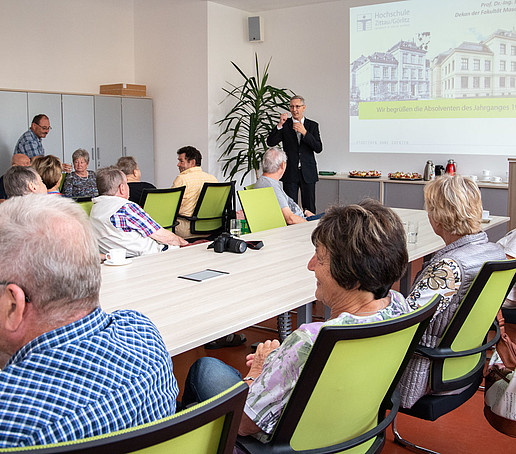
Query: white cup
497, 179
485, 214
116, 255
412, 231
486, 173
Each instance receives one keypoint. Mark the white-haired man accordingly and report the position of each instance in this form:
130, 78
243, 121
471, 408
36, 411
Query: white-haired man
70, 370
119, 223
22, 180
274, 164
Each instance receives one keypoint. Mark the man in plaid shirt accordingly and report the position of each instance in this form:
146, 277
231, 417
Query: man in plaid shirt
69, 369
119, 223
30, 142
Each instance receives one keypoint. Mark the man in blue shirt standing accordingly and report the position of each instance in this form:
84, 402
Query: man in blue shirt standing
69, 370
30, 142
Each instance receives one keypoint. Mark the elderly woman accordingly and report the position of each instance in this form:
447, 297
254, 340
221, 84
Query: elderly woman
50, 169
80, 183
454, 209
360, 252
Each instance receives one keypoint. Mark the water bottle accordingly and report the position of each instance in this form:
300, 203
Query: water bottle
429, 173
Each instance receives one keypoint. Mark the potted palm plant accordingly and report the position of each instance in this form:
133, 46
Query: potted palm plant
246, 126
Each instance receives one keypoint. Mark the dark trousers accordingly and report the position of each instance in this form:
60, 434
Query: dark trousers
307, 193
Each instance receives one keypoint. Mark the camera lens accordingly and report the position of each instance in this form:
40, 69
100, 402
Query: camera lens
235, 245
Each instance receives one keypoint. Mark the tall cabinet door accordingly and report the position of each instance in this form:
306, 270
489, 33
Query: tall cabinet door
138, 134
108, 130
13, 123
50, 105
78, 126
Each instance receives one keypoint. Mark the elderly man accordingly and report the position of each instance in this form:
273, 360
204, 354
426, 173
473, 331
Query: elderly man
192, 176
274, 164
129, 166
72, 370
18, 159
19, 180
30, 142
119, 223
301, 139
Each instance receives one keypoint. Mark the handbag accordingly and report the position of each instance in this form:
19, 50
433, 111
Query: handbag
500, 385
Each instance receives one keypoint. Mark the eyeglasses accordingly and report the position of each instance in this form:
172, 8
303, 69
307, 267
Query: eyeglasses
45, 128
27, 299
292, 107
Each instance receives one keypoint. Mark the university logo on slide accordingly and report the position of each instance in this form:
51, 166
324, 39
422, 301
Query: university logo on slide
364, 22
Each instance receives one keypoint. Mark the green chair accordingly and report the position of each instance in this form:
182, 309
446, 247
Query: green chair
261, 209
459, 359
209, 427
348, 383
163, 205
213, 209
86, 203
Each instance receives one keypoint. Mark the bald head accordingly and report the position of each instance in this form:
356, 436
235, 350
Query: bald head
20, 160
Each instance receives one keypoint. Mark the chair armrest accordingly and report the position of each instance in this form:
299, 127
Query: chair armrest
443, 353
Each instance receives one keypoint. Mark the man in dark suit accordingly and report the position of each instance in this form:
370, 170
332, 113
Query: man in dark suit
301, 139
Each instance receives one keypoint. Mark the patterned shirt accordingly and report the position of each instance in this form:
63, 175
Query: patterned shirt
102, 373
29, 144
76, 186
269, 393
132, 217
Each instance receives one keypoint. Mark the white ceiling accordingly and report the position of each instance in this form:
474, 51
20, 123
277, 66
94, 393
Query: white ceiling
254, 6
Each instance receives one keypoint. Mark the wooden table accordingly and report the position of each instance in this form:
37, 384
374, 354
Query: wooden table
260, 284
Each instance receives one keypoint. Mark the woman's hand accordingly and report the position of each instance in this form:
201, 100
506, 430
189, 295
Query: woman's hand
255, 361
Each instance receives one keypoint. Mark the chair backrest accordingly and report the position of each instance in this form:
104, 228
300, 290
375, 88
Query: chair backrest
261, 209
211, 210
86, 203
348, 382
469, 326
163, 205
210, 427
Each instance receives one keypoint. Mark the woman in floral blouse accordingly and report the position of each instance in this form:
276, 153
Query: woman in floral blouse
454, 207
82, 182
360, 252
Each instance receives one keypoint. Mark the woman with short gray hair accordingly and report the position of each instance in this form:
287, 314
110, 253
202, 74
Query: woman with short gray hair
81, 182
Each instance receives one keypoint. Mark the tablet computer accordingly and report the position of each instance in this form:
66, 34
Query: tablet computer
200, 276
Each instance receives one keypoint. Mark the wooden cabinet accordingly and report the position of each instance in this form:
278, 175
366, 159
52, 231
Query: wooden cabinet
78, 127
106, 126
402, 194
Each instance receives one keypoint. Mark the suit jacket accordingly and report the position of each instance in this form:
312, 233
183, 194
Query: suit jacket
298, 152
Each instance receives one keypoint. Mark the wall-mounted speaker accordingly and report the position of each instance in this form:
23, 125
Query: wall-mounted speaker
255, 29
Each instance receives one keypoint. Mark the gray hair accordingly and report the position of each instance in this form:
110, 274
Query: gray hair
81, 153
17, 179
272, 160
48, 248
109, 179
127, 164
299, 98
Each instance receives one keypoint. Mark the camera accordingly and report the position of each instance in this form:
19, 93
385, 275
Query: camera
226, 242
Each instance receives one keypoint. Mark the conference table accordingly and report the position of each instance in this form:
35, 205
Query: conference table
260, 284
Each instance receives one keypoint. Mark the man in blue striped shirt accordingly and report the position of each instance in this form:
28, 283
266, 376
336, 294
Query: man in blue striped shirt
70, 370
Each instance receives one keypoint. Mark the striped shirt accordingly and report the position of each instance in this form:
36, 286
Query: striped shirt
99, 374
29, 144
132, 217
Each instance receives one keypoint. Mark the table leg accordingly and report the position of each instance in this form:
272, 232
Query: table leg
304, 314
284, 325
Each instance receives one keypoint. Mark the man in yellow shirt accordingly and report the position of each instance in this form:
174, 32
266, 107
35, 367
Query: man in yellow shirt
192, 176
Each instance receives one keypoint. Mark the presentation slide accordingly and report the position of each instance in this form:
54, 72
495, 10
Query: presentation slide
433, 77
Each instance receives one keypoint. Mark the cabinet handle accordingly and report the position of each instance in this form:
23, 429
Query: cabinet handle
125, 151
98, 157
